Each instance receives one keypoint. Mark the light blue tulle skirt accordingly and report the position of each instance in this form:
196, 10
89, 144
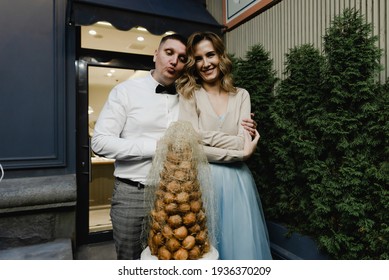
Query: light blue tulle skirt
242, 232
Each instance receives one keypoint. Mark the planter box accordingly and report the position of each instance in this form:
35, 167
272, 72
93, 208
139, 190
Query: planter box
295, 247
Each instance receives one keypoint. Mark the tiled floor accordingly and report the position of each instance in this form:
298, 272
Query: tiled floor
96, 251
99, 219
58, 249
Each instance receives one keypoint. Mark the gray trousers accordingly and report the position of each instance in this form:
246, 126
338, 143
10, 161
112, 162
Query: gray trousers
128, 216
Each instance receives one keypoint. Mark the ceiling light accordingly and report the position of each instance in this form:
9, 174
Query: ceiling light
140, 38
141, 28
92, 32
104, 23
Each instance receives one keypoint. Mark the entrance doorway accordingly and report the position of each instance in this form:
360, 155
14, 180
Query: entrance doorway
101, 80
100, 66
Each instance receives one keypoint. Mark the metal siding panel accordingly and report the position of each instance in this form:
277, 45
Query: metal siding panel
376, 21
321, 25
281, 42
386, 39
299, 16
369, 10
294, 25
312, 23
277, 46
289, 11
328, 18
341, 5
294, 22
216, 9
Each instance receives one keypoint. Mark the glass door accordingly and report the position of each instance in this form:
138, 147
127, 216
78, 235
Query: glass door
100, 82
95, 173
105, 57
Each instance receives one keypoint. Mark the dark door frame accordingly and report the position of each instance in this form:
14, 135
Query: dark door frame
84, 59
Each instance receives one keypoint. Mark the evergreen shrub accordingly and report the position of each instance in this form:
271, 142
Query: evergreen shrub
255, 74
323, 163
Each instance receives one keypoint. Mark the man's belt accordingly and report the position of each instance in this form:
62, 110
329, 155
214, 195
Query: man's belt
131, 183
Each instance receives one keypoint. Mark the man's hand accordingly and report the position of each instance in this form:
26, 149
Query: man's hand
250, 125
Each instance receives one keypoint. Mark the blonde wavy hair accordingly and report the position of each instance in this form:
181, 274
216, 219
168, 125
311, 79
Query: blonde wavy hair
190, 80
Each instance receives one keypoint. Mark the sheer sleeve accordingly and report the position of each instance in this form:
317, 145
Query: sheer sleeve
218, 139
218, 146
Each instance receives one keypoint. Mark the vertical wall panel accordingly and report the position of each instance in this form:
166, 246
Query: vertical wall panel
291, 23
216, 9
382, 33
386, 42
33, 93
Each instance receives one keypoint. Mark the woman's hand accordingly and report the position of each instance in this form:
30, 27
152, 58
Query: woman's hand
250, 125
250, 144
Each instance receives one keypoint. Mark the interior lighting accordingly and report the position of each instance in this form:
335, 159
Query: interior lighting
141, 29
104, 23
140, 38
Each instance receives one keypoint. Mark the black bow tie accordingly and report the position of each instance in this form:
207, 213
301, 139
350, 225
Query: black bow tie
169, 89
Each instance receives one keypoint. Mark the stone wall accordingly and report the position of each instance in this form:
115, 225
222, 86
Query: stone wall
37, 210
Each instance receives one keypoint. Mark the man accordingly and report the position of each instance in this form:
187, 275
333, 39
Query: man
134, 118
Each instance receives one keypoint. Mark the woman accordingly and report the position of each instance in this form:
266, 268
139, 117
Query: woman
216, 110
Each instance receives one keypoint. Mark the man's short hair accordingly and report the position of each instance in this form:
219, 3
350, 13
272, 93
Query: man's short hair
174, 36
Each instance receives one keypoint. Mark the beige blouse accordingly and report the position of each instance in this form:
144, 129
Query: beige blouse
222, 136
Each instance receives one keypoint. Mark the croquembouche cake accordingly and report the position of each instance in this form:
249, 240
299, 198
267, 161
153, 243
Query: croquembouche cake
180, 221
